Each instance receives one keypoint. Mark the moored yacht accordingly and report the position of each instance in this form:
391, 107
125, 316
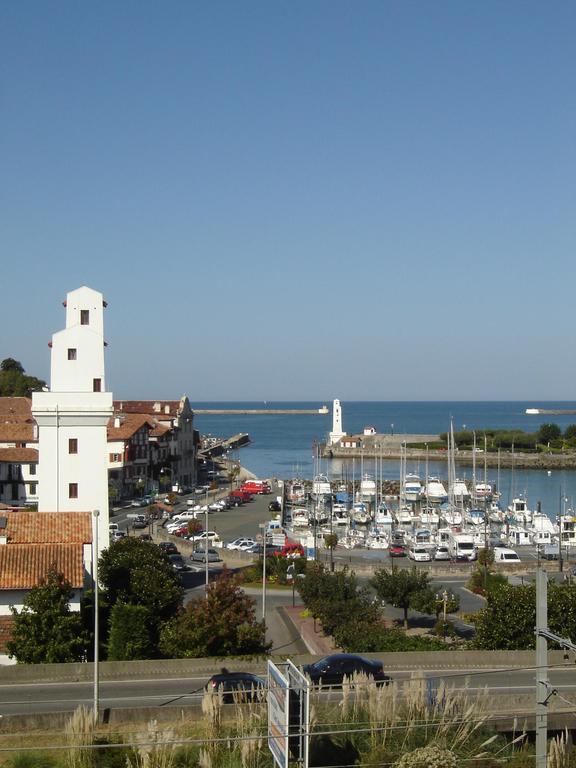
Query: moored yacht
412, 488
367, 488
435, 492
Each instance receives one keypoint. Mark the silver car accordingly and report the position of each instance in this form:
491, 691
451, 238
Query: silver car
203, 555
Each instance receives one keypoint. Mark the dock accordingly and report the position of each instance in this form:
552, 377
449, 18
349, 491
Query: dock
217, 447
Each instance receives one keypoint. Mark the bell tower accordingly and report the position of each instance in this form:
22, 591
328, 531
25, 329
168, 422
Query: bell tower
73, 415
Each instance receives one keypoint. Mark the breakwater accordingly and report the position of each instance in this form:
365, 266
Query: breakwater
390, 447
261, 411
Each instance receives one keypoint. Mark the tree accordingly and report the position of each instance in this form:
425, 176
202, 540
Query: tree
335, 599
129, 638
136, 572
14, 382
9, 364
508, 620
548, 433
46, 631
405, 589
221, 624
570, 432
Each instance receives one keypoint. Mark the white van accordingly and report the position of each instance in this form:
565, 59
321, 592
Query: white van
504, 555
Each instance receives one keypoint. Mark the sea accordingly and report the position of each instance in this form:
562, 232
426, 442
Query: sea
283, 446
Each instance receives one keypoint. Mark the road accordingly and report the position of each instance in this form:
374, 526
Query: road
35, 698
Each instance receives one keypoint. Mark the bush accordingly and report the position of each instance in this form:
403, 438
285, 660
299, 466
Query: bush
129, 638
364, 637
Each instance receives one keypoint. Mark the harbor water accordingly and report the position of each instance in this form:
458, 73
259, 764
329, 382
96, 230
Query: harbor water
283, 445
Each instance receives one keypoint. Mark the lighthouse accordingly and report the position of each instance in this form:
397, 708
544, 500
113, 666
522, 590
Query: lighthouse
72, 417
336, 435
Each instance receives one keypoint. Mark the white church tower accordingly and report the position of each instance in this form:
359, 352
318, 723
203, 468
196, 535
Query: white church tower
336, 435
73, 415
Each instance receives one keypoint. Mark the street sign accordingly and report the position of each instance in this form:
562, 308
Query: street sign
278, 714
299, 714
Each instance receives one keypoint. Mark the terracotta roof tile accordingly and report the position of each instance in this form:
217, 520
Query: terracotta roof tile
15, 409
17, 433
155, 408
25, 455
23, 565
130, 423
47, 528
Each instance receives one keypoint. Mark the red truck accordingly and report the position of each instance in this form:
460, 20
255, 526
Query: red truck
256, 486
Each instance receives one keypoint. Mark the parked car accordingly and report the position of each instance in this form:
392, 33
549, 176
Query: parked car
116, 535
140, 523
242, 544
138, 503
238, 686
271, 549
397, 550
201, 555
331, 670
168, 547
177, 562
274, 506
419, 554
442, 553
233, 501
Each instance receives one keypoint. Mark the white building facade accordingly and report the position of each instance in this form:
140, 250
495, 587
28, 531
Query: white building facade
72, 417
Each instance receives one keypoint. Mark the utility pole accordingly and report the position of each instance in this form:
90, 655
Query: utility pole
543, 689
542, 682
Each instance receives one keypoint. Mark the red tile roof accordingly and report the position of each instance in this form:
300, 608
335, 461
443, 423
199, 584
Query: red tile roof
23, 566
17, 433
47, 528
15, 409
130, 423
155, 408
24, 455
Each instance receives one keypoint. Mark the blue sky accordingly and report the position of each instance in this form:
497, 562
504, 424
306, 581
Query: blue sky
295, 200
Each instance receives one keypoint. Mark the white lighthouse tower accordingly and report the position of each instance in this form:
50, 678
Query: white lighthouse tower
336, 435
73, 415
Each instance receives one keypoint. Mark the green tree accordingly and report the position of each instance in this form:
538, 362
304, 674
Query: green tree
570, 432
335, 598
508, 620
548, 433
46, 631
14, 382
129, 637
221, 624
136, 572
9, 364
406, 590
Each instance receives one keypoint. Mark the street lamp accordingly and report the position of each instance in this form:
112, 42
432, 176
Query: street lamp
96, 515
444, 598
262, 527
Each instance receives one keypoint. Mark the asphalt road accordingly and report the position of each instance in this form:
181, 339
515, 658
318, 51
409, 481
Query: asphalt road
66, 697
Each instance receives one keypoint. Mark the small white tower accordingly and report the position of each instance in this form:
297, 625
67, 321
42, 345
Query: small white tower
336, 435
73, 416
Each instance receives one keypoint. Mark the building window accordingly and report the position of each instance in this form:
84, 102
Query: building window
72, 490
97, 385
32, 469
71, 353
73, 445
33, 489
84, 317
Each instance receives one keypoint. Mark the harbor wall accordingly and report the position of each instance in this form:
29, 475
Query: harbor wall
389, 447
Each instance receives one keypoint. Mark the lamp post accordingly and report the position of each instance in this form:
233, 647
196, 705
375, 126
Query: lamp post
444, 598
262, 527
96, 515
206, 573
